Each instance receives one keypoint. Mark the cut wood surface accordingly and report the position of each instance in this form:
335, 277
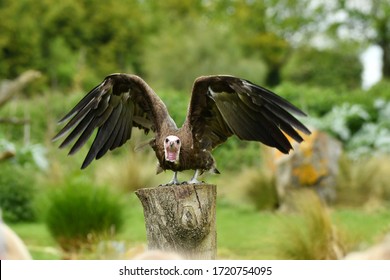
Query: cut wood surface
181, 219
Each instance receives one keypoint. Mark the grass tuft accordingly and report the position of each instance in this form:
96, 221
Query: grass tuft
363, 182
308, 233
79, 214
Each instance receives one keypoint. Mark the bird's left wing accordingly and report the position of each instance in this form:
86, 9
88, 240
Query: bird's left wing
114, 107
223, 105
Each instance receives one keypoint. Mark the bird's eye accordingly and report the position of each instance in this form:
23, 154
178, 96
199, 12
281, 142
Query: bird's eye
166, 140
177, 141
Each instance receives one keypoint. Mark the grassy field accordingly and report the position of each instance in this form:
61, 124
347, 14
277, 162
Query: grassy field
243, 233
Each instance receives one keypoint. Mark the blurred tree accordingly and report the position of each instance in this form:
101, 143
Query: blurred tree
272, 28
57, 37
366, 21
75, 40
19, 37
116, 32
205, 50
324, 68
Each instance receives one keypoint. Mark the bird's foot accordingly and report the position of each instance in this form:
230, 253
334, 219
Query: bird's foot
170, 183
174, 181
193, 182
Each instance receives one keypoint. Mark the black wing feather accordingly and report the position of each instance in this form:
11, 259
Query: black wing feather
249, 111
104, 132
82, 104
81, 126
112, 108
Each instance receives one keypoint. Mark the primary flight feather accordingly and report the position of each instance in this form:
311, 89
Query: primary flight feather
220, 106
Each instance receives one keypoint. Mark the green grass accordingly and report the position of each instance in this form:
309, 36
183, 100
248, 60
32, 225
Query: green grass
243, 233
363, 227
38, 240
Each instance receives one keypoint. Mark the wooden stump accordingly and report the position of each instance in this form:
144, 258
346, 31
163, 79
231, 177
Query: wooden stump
181, 218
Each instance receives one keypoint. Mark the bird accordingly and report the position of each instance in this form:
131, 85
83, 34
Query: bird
220, 106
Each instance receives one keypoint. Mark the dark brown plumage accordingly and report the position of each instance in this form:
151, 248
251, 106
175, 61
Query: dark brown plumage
220, 106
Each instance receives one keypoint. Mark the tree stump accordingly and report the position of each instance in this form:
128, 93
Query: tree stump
181, 219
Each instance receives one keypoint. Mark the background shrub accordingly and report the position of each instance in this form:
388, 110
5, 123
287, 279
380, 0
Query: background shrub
79, 214
363, 182
17, 191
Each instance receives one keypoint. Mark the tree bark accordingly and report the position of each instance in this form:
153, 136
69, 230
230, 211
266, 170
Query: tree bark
181, 219
9, 88
6, 155
14, 121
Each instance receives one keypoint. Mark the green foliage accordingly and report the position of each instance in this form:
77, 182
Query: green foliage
104, 36
254, 186
374, 136
193, 37
63, 63
20, 37
28, 156
130, 170
43, 111
317, 101
79, 214
342, 121
271, 28
363, 134
380, 90
194, 57
324, 68
371, 20
17, 192
76, 43
235, 151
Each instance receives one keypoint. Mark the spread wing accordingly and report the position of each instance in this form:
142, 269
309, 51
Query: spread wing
221, 106
114, 107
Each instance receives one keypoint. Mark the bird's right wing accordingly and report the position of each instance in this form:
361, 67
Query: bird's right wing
114, 107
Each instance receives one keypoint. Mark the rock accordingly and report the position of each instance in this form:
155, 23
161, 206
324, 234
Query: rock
11, 246
313, 164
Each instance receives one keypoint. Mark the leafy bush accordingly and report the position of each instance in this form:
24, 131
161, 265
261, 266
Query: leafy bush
78, 214
363, 134
342, 121
318, 101
374, 136
17, 191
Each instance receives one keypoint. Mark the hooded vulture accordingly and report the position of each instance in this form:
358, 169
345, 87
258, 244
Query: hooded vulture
220, 106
